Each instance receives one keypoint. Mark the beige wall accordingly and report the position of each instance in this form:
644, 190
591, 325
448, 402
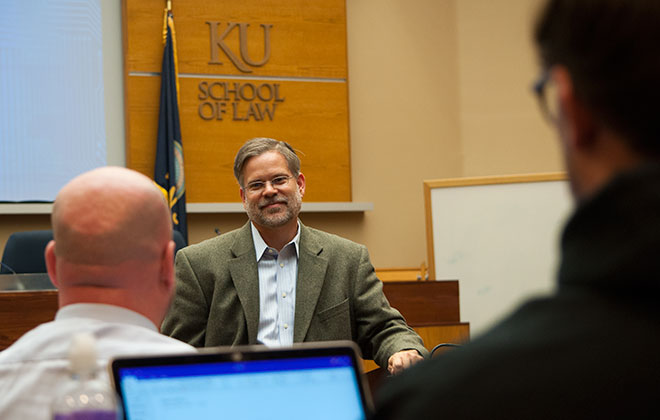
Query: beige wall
502, 131
404, 118
438, 88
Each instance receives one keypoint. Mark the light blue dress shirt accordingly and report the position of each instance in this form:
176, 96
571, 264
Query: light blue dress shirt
278, 272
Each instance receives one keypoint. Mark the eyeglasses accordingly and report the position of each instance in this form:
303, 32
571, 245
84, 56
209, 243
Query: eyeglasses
545, 91
277, 182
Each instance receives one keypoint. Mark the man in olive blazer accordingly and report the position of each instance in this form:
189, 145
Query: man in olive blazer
274, 275
338, 296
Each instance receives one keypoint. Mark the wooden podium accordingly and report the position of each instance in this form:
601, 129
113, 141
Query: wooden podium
431, 308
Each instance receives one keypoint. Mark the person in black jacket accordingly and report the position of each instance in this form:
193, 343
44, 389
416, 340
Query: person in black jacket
591, 349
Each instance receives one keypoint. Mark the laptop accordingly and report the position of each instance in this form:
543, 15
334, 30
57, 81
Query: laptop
311, 380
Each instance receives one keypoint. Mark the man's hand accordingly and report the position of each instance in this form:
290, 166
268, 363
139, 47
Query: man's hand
402, 360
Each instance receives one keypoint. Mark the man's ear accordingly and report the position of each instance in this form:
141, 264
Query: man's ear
576, 121
300, 181
241, 191
167, 266
51, 263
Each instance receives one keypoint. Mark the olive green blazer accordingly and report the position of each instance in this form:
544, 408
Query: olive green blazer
338, 296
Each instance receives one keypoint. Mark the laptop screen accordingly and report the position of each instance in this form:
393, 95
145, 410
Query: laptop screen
247, 383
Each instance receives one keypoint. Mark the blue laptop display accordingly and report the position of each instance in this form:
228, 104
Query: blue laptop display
320, 381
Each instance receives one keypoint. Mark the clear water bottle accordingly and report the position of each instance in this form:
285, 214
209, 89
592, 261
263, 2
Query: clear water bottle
84, 397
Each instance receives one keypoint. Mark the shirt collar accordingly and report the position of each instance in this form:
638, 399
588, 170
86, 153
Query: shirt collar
103, 312
260, 245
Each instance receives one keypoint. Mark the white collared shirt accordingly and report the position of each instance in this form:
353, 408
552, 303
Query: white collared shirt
34, 368
278, 272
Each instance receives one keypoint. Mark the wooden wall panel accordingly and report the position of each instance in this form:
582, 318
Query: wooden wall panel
316, 129
307, 66
308, 38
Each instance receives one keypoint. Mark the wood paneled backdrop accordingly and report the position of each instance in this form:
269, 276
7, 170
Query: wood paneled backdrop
307, 62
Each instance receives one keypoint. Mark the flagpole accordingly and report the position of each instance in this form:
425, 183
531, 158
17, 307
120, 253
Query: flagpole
169, 171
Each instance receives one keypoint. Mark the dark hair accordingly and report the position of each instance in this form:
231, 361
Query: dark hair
610, 49
257, 146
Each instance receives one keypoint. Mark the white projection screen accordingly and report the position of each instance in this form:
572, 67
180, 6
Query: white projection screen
60, 94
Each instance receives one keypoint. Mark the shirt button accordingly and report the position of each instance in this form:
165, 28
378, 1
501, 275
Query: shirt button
286, 326
284, 295
282, 265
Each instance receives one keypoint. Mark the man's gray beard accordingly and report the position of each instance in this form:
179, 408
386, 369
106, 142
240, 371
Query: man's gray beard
291, 211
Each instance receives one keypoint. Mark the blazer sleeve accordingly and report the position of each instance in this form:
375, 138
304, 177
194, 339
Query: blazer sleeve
189, 312
381, 329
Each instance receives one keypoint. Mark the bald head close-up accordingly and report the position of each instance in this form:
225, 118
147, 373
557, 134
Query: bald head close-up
109, 216
112, 238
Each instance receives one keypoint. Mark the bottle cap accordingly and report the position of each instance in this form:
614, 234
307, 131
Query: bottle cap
82, 354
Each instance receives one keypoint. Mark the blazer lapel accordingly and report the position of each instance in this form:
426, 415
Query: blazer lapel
245, 275
311, 274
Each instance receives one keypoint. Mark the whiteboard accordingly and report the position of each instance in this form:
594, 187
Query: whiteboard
499, 236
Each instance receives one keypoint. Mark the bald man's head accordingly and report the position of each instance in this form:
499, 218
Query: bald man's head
109, 216
113, 243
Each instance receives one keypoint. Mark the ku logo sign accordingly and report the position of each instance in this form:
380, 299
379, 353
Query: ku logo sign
239, 101
244, 63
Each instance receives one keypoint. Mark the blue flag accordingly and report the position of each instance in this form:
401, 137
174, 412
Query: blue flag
168, 173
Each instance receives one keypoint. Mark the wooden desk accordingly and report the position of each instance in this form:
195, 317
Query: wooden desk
22, 311
430, 307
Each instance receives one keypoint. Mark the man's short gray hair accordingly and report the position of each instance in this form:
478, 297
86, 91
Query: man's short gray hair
260, 145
